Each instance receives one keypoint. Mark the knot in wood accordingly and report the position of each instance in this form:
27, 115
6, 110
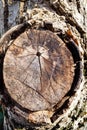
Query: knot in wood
38, 70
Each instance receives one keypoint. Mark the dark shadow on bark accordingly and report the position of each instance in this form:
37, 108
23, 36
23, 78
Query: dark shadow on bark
6, 13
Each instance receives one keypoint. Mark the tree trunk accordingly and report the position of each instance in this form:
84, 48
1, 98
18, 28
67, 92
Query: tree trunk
66, 20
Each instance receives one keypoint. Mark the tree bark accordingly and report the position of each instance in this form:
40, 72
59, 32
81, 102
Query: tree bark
67, 17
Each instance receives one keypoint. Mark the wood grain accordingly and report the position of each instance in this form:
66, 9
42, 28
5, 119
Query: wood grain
38, 70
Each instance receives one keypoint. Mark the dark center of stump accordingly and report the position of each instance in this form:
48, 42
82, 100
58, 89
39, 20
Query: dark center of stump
38, 54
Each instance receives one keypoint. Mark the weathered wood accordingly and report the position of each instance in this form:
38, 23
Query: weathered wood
62, 15
38, 70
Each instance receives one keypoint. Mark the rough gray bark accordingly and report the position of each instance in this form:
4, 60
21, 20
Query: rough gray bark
70, 17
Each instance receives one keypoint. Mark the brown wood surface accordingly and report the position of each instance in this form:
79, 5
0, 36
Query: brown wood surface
38, 70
